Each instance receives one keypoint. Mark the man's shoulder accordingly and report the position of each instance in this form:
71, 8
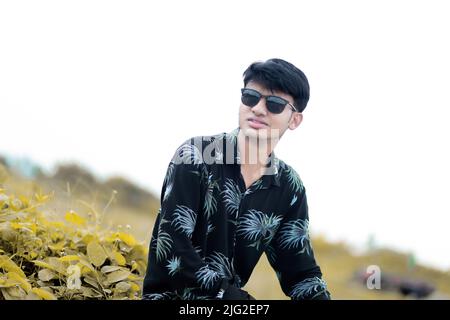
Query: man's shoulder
197, 147
208, 139
205, 140
289, 176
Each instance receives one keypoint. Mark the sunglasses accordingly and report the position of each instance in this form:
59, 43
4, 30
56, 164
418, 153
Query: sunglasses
274, 104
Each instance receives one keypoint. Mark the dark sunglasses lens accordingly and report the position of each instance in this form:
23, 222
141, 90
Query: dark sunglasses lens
275, 104
250, 98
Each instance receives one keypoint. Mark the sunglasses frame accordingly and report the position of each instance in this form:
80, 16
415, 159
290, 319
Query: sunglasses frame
260, 95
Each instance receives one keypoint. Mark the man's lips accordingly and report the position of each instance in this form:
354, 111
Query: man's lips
257, 124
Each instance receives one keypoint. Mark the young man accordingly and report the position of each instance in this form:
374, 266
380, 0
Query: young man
226, 199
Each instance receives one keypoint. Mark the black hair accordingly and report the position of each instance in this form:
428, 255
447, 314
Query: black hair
280, 75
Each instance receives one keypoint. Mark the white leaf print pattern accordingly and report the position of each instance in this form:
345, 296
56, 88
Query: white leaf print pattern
309, 288
232, 136
220, 264
168, 180
294, 200
185, 219
258, 227
163, 242
232, 197
188, 154
217, 266
158, 296
218, 146
258, 184
198, 249
231, 141
210, 229
294, 179
167, 191
163, 245
210, 203
187, 294
295, 234
206, 277
174, 265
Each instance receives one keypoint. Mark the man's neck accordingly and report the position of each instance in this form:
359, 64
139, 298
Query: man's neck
254, 152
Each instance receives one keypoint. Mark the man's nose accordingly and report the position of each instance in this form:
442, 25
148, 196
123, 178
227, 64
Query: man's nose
260, 108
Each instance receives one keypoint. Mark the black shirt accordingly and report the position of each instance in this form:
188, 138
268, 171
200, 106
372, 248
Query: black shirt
211, 229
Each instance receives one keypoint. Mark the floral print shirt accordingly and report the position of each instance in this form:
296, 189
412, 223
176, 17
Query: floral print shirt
210, 228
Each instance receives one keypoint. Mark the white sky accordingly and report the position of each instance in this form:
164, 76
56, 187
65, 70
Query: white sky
118, 85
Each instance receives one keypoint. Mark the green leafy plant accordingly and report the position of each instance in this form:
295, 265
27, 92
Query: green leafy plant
74, 258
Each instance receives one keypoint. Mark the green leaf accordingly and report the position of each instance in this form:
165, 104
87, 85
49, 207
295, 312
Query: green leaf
123, 286
93, 282
96, 253
117, 276
46, 275
108, 269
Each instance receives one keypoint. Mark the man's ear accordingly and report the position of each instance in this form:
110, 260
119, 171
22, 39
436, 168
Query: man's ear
295, 121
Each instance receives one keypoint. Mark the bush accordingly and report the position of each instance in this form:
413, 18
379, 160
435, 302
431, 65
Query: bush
70, 259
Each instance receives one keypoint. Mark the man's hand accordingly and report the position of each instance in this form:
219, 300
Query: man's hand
234, 293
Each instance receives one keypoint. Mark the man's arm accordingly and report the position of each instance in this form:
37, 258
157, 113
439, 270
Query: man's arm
174, 264
292, 257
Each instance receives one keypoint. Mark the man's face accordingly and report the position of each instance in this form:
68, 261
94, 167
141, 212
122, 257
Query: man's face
258, 122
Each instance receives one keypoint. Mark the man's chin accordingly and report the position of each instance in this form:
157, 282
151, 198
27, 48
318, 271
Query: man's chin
254, 133
261, 133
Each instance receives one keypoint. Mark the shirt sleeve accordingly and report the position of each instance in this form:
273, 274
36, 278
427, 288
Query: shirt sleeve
291, 255
174, 264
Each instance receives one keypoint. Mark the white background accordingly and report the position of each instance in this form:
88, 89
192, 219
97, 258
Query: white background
118, 85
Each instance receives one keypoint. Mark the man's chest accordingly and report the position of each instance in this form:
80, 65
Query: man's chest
250, 177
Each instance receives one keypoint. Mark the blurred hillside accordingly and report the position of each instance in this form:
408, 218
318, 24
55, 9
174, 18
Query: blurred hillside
72, 184
121, 202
